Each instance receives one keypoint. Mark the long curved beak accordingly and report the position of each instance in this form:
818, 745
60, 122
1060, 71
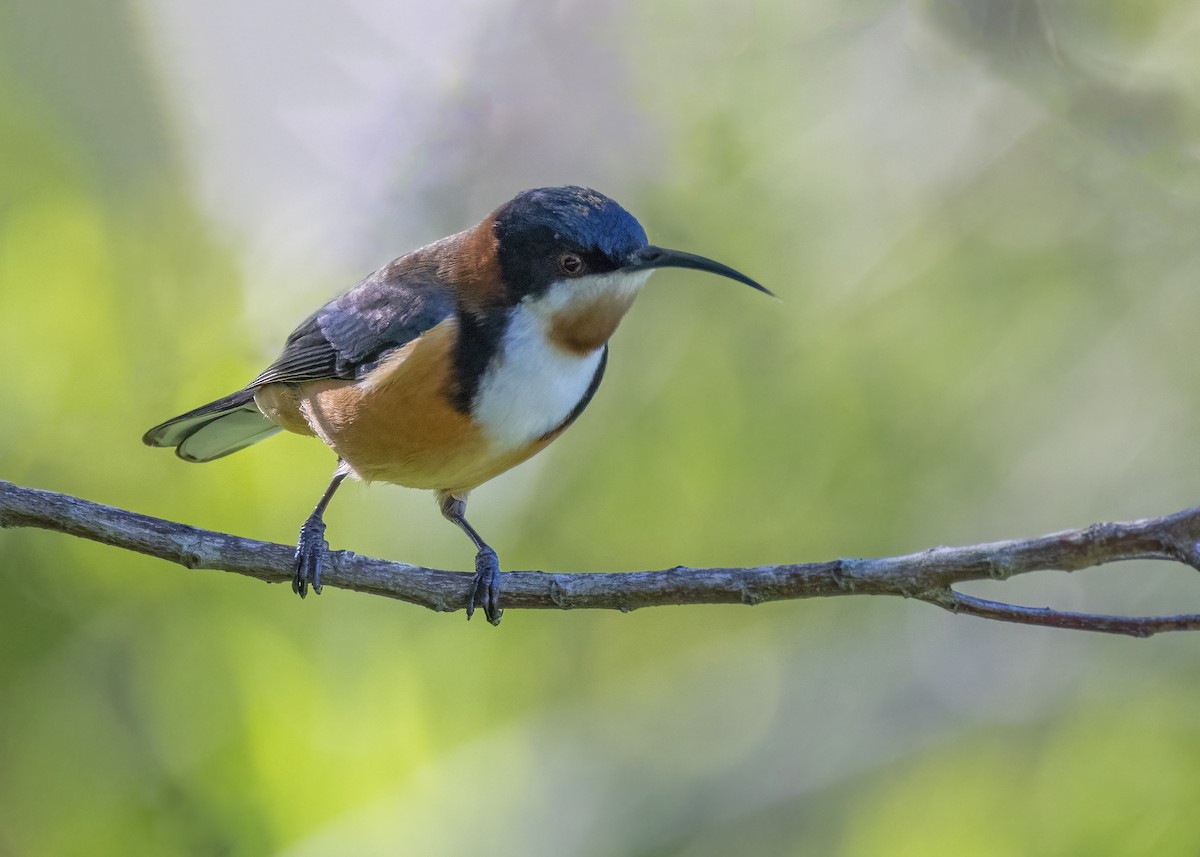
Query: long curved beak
650, 257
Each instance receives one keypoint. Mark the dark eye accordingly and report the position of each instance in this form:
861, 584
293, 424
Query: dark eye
570, 264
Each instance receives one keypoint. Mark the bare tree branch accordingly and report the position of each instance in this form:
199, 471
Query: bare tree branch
927, 576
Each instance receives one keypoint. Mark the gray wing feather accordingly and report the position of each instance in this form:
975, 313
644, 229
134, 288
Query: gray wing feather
350, 334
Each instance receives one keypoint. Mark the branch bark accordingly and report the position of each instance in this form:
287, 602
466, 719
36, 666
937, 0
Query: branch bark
927, 576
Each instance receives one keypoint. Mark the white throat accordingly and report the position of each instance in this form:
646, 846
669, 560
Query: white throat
532, 384
565, 293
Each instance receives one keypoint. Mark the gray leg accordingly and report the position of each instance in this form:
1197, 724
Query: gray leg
310, 550
485, 585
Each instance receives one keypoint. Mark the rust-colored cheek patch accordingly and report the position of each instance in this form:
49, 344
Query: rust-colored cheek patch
474, 266
581, 330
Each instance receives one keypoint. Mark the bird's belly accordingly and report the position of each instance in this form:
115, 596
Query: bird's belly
399, 425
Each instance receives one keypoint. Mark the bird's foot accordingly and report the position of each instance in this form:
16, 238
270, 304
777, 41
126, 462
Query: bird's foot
485, 586
310, 554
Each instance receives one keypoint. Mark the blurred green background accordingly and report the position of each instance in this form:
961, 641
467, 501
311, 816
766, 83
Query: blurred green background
981, 216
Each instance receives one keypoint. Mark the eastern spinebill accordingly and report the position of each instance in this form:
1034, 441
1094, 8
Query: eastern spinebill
451, 364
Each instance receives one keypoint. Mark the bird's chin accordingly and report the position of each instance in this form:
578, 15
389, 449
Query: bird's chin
575, 295
580, 315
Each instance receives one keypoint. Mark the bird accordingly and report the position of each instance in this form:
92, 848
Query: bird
451, 364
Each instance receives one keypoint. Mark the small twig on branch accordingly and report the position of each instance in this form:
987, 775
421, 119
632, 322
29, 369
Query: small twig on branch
927, 576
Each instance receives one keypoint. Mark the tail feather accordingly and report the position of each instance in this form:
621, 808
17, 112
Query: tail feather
213, 430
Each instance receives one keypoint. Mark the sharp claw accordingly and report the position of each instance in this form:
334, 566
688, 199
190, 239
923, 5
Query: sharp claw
318, 561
